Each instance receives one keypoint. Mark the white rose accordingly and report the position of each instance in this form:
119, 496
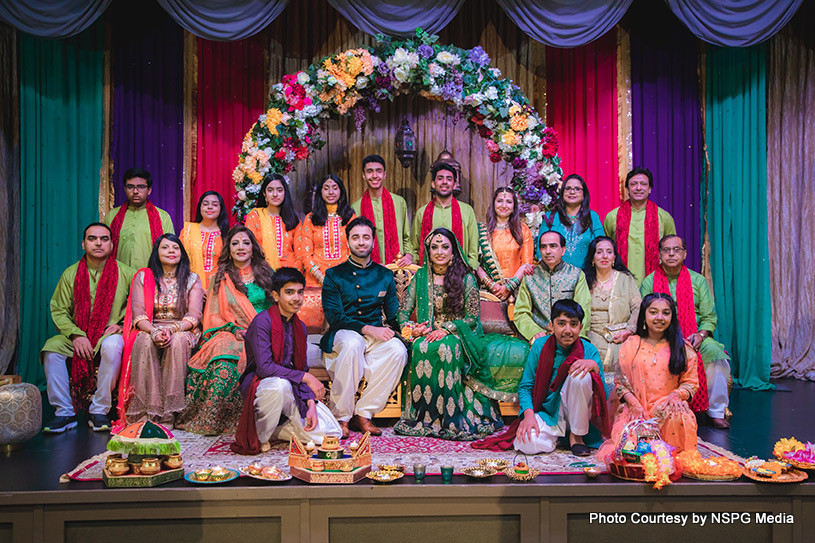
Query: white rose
242, 195
400, 56
495, 72
401, 74
446, 57
474, 99
303, 78
413, 59
362, 82
435, 70
375, 60
491, 93
530, 139
268, 152
532, 122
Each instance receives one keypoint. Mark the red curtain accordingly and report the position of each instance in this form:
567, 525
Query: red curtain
581, 95
231, 79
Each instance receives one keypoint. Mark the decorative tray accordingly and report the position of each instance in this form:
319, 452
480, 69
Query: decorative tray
191, 477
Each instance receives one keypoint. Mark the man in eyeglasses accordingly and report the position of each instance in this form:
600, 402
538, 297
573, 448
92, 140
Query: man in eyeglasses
136, 225
697, 317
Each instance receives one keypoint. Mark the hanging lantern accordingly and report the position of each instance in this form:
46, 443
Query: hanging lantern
405, 144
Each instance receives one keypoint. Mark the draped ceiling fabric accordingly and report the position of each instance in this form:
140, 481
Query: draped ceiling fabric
736, 208
581, 94
224, 20
148, 100
50, 19
791, 198
398, 17
666, 118
61, 130
734, 23
565, 23
9, 196
231, 78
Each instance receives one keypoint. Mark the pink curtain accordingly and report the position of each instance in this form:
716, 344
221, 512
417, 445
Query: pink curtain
230, 99
581, 93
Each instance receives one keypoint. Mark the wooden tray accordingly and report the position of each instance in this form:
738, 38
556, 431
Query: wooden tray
140, 481
792, 476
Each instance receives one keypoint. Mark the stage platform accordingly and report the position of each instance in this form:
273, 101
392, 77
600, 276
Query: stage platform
34, 506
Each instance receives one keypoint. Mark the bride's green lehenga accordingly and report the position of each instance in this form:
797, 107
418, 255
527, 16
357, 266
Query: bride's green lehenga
451, 390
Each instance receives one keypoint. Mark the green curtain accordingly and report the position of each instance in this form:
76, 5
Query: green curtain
61, 133
736, 207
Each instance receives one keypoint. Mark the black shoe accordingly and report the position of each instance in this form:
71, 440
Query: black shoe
99, 423
60, 424
579, 449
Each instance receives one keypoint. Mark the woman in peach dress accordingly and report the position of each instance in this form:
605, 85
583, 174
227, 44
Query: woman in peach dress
656, 378
275, 223
506, 247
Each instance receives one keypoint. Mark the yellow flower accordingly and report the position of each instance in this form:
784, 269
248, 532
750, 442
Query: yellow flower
255, 176
514, 109
273, 118
518, 123
509, 137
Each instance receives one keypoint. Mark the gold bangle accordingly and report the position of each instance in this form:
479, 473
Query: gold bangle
193, 321
138, 319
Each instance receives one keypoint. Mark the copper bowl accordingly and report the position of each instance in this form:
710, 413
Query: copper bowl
150, 466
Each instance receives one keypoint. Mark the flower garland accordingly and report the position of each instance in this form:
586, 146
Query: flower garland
356, 81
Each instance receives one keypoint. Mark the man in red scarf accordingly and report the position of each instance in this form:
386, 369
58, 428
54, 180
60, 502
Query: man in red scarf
389, 214
137, 224
697, 317
281, 399
445, 211
88, 308
561, 392
638, 224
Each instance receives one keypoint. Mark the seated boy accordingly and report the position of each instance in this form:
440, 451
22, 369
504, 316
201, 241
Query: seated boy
562, 388
281, 398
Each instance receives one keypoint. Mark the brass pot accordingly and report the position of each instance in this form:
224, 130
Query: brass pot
111, 458
150, 466
135, 467
174, 461
119, 466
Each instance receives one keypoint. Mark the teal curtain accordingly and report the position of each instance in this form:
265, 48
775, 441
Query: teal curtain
61, 133
736, 207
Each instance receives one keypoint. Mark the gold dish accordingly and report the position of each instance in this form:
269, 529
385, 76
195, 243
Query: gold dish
521, 477
478, 472
391, 467
498, 464
382, 476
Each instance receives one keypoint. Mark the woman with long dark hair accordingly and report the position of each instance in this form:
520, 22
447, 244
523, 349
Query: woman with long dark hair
572, 217
162, 325
506, 247
322, 243
203, 239
450, 362
615, 301
275, 223
656, 377
240, 289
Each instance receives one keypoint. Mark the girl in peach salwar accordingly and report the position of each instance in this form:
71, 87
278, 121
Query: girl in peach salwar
656, 378
203, 239
240, 290
275, 223
322, 243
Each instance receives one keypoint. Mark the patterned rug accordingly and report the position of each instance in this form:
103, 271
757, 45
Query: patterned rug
205, 451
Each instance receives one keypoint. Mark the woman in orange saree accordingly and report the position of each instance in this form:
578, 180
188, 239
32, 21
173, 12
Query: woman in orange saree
656, 378
239, 290
203, 239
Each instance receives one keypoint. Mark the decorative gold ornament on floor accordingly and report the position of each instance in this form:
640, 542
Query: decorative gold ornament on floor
331, 464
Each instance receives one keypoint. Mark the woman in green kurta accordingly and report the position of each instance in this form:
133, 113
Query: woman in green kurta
452, 391
239, 290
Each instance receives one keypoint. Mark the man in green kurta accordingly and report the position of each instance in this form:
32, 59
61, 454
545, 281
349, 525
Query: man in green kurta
447, 212
138, 223
389, 214
690, 290
551, 281
112, 279
638, 224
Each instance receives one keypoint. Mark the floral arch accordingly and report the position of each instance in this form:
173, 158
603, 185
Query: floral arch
357, 80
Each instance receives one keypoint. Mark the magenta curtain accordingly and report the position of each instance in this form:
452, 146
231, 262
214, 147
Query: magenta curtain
148, 102
666, 125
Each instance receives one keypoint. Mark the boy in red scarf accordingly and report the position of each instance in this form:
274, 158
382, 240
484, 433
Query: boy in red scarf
638, 224
88, 307
137, 224
697, 317
281, 399
389, 214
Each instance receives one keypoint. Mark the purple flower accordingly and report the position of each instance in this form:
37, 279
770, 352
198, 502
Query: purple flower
425, 51
383, 68
359, 118
451, 91
477, 55
383, 81
519, 163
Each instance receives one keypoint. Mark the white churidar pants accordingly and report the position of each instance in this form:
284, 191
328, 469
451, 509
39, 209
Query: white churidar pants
274, 399
718, 374
574, 415
58, 381
356, 356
